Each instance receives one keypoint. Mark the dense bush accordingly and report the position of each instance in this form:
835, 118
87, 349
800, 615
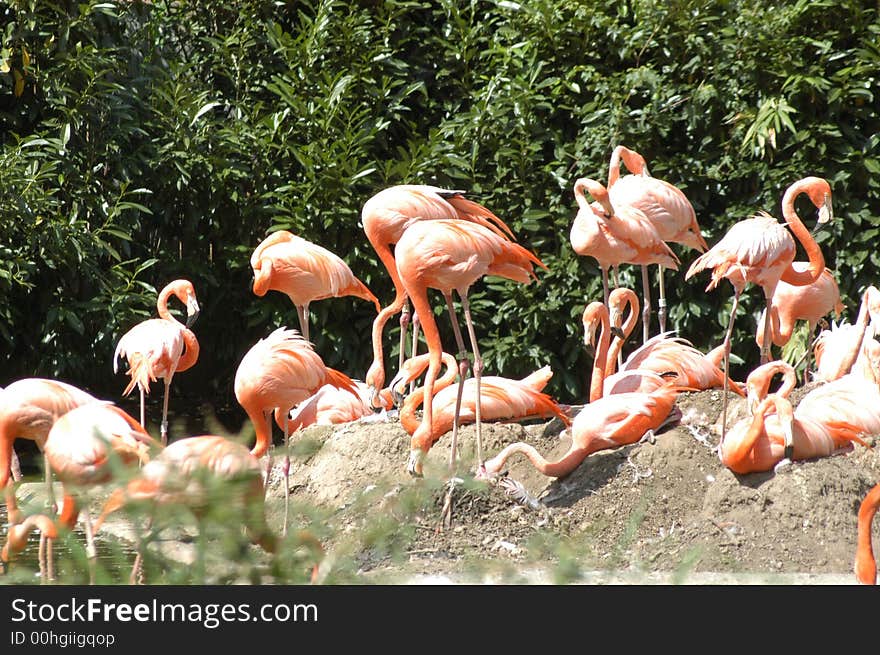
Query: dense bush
142, 142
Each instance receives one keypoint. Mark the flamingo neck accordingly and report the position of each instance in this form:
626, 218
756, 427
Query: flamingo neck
375, 377
614, 165
162, 304
263, 431
628, 326
560, 468
407, 414
866, 568
816, 263
600, 361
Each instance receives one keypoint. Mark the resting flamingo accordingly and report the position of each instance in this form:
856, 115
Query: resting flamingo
502, 399
92, 445
663, 354
305, 272
865, 565
385, 216
768, 438
160, 347
187, 472
609, 422
665, 205
616, 234
331, 405
276, 374
838, 349
450, 255
761, 251
808, 302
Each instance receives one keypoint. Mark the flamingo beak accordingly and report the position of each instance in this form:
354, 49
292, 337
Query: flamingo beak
192, 311
826, 213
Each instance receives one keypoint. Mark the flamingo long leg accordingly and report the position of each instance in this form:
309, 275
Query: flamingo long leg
768, 335
727, 367
661, 303
478, 371
164, 428
286, 473
302, 313
404, 324
646, 305
463, 365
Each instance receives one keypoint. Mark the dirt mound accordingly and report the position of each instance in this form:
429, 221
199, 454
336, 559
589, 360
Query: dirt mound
666, 506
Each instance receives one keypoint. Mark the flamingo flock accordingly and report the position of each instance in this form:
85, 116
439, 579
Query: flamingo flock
427, 238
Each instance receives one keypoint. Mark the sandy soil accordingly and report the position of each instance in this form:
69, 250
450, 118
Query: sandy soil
667, 509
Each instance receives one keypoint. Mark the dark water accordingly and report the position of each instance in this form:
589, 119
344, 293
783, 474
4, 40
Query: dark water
114, 559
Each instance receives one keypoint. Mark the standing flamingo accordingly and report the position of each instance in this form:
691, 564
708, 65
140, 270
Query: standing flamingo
665, 205
865, 565
838, 349
791, 303
450, 255
609, 422
92, 445
760, 250
160, 347
305, 272
385, 216
615, 234
275, 375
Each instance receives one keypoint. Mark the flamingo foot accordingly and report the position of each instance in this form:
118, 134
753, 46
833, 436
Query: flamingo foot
518, 492
649, 437
782, 464
446, 512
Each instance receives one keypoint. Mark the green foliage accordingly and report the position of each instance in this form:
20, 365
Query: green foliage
143, 142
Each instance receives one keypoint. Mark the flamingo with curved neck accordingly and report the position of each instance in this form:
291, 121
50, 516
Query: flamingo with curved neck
758, 382
665, 205
865, 564
761, 251
160, 347
385, 216
608, 422
615, 234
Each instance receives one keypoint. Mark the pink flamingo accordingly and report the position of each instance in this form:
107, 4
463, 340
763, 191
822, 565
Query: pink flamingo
450, 255
791, 303
761, 251
609, 422
616, 234
160, 347
665, 205
305, 272
385, 216
275, 375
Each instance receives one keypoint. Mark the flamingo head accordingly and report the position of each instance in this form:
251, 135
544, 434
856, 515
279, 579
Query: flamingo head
375, 379
819, 192
414, 464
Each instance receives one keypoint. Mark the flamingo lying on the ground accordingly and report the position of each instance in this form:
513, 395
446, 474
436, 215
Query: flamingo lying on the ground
838, 349
664, 354
503, 399
609, 422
